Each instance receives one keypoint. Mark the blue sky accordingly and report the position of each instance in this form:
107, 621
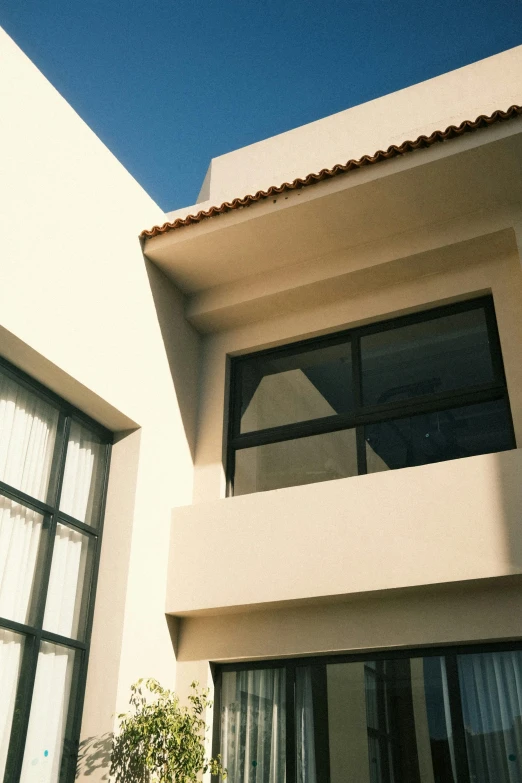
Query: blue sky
169, 85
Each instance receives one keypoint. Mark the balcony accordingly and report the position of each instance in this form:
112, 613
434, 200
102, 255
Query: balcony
447, 522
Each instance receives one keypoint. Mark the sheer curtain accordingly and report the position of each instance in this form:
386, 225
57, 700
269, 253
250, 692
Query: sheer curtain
491, 691
48, 720
11, 648
304, 725
82, 474
27, 434
28, 428
47, 723
253, 726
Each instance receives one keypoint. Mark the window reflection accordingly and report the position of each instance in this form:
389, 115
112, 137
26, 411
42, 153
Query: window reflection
440, 719
436, 355
292, 463
279, 390
438, 436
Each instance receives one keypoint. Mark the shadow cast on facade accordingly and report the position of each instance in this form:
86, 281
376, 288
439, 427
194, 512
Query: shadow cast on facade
182, 347
94, 757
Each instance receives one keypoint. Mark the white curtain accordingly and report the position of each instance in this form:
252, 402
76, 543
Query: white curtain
64, 594
27, 434
27, 437
491, 690
48, 720
20, 530
253, 726
11, 647
82, 469
304, 726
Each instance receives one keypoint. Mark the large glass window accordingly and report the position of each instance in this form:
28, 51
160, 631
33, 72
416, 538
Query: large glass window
53, 468
427, 718
406, 392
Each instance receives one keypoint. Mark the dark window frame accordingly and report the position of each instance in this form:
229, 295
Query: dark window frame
362, 415
290, 665
34, 633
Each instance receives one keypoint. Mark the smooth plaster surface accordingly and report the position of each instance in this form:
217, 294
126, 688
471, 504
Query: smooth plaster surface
446, 522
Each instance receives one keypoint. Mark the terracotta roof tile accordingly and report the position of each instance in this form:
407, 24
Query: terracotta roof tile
452, 132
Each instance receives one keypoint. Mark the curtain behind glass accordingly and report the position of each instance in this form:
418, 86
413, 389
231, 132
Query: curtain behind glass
48, 719
491, 691
11, 648
83, 473
27, 434
253, 732
20, 532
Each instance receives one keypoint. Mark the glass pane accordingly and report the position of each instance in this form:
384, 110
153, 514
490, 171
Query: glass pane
433, 724
304, 726
27, 435
47, 732
11, 651
434, 437
253, 725
351, 751
433, 356
370, 684
374, 759
277, 390
83, 476
371, 723
70, 574
491, 691
296, 462
20, 534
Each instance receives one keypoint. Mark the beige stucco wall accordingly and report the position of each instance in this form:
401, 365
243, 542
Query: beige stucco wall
81, 312
448, 522
486, 610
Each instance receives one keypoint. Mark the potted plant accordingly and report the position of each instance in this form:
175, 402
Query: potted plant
160, 740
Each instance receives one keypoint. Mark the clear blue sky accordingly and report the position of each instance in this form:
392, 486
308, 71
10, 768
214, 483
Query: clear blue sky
169, 85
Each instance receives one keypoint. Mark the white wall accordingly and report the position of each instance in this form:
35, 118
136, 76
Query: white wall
81, 311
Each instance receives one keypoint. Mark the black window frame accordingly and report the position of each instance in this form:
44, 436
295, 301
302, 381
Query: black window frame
318, 664
35, 634
363, 415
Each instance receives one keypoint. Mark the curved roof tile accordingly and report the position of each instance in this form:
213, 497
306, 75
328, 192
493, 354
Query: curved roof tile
453, 131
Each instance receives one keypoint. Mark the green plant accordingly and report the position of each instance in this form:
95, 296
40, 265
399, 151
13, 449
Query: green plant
161, 741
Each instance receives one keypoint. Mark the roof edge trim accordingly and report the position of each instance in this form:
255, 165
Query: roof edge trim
422, 142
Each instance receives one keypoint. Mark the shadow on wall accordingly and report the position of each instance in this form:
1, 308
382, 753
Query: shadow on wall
94, 757
182, 346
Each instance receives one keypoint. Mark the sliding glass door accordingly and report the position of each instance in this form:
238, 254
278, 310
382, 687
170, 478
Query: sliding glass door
453, 718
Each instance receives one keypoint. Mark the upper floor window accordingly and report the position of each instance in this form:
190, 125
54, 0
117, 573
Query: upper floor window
410, 391
53, 468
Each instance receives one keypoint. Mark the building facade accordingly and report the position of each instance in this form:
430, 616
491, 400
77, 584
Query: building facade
312, 398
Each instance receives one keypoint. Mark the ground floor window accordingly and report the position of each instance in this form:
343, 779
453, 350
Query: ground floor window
53, 474
424, 718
